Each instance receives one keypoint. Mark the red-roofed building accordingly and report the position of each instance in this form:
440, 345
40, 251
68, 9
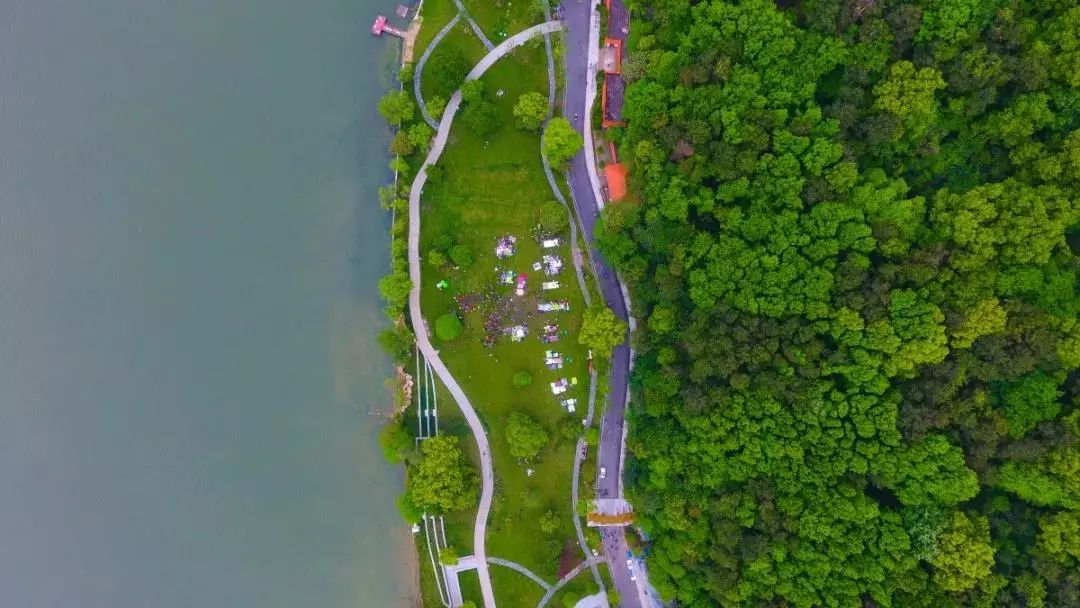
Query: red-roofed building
616, 181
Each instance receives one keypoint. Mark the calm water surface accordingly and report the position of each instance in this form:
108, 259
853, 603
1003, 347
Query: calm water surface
189, 243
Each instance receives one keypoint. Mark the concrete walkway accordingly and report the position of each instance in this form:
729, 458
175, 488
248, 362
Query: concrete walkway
475, 28
423, 342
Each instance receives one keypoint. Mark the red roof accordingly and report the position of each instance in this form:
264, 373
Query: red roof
616, 181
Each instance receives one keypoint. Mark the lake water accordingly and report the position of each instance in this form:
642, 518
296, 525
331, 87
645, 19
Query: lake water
189, 245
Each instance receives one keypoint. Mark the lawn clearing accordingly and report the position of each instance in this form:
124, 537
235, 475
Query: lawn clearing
502, 18
491, 188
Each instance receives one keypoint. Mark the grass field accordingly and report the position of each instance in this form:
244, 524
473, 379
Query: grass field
502, 18
491, 187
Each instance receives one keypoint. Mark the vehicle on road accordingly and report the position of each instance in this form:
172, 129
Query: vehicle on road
603, 472
630, 567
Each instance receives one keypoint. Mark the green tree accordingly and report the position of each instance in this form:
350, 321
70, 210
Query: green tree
399, 165
408, 509
964, 555
908, 92
446, 69
481, 117
473, 91
401, 145
549, 522
987, 317
561, 142
1028, 401
461, 255
441, 480
525, 436
436, 258
396, 442
397, 341
553, 217
436, 105
420, 135
396, 108
394, 289
448, 327
601, 330
1059, 536
530, 111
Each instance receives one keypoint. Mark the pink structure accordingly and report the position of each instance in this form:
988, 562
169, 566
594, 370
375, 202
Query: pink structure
381, 26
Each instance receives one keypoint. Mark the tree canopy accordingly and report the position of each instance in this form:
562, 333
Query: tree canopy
851, 242
531, 110
561, 142
601, 330
441, 480
396, 107
525, 435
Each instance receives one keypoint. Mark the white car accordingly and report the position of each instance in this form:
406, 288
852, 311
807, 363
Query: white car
630, 567
603, 472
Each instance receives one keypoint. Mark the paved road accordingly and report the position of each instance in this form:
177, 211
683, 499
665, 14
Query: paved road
417, 317
578, 23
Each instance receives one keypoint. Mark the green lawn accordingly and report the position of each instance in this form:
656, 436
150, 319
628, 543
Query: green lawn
503, 18
492, 187
470, 588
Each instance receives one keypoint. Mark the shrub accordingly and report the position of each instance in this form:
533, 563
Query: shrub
448, 327
461, 256
449, 557
553, 216
401, 145
525, 436
522, 379
530, 111
561, 142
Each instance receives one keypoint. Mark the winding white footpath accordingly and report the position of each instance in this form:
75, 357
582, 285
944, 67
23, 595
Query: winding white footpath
423, 342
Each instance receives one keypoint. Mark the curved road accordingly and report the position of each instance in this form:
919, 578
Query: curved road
582, 39
417, 317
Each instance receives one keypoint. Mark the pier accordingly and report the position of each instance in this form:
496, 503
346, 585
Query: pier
381, 27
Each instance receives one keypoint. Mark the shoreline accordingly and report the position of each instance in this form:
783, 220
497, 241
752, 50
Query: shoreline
412, 591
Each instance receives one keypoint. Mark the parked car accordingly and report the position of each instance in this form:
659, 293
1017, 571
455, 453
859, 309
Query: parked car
603, 472
630, 567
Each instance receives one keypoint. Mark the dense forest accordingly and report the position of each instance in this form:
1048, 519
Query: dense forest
852, 243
